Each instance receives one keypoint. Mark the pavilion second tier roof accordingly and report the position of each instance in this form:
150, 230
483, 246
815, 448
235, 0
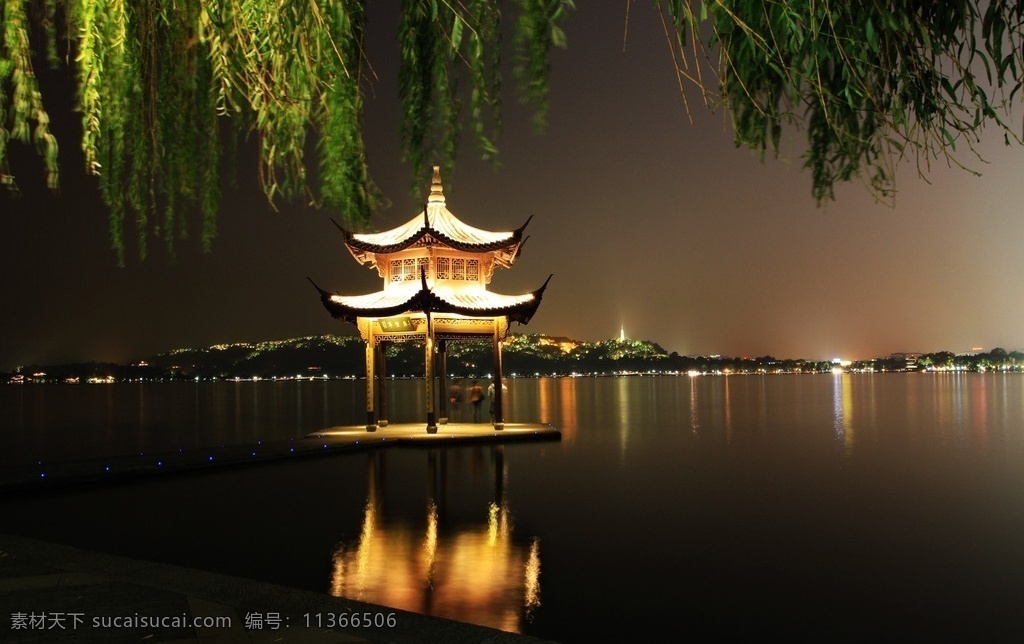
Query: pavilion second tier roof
419, 297
436, 225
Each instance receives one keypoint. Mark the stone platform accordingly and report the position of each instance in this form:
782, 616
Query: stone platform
447, 434
45, 475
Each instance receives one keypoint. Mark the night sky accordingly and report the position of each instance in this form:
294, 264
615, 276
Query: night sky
646, 221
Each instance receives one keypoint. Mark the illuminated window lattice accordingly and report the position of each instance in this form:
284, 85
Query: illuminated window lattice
458, 268
406, 270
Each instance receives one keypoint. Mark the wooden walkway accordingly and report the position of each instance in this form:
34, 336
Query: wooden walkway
42, 476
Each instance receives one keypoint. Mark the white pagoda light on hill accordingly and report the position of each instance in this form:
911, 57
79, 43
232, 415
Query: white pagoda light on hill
435, 270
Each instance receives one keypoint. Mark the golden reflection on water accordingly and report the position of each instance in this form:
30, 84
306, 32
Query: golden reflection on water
531, 600
943, 408
556, 404
842, 410
622, 393
727, 411
430, 546
567, 399
474, 573
545, 399
694, 407
980, 420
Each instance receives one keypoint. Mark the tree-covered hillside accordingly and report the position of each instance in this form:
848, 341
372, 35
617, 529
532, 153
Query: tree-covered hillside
335, 356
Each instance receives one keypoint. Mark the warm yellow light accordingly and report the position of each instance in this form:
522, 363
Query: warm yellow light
532, 599
476, 574
430, 544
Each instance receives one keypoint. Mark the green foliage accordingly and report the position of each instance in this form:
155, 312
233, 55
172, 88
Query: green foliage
870, 82
155, 77
443, 42
22, 116
538, 32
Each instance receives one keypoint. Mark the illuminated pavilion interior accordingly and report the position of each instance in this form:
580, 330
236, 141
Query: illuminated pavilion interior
435, 270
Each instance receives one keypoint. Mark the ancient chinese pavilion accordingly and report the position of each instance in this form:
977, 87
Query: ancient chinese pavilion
435, 270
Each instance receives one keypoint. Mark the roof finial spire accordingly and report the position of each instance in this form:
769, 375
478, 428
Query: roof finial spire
436, 192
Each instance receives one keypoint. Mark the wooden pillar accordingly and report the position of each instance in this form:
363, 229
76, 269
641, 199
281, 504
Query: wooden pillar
442, 349
371, 423
429, 381
382, 386
499, 414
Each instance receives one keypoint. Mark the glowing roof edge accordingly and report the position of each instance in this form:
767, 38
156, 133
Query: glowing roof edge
434, 223
518, 308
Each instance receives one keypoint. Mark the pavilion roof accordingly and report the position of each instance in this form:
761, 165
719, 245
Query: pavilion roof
436, 225
419, 297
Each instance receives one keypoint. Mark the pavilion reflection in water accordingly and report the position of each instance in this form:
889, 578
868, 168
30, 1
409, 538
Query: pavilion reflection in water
477, 573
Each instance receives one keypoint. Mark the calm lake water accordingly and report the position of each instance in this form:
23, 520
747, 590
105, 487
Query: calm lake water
885, 506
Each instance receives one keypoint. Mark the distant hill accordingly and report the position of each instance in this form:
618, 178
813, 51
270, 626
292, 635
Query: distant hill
343, 356
334, 356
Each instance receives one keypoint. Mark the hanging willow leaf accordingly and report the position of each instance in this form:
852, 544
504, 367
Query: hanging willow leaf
22, 116
537, 32
155, 78
868, 82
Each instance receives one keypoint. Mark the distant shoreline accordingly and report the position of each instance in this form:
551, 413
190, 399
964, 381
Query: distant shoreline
342, 357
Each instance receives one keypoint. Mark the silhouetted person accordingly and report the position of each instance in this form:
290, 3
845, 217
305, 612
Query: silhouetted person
455, 398
490, 396
476, 396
